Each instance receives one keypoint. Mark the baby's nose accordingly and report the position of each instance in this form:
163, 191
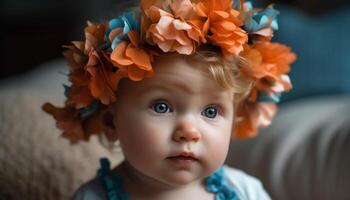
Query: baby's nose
186, 132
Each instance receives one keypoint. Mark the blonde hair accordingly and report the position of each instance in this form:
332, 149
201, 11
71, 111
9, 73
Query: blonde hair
227, 73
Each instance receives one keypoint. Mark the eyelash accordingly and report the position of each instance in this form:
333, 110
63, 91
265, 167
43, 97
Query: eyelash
218, 110
152, 106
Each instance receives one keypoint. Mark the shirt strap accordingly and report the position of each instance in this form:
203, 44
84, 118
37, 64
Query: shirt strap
111, 182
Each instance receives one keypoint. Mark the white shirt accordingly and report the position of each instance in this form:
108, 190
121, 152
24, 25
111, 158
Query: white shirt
246, 187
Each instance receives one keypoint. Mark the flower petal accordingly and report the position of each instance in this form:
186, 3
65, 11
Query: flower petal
118, 54
201, 10
100, 89
134, 39
253, 116
179, 25
182, 8
114, 33
80, 96
135, 73
139, 57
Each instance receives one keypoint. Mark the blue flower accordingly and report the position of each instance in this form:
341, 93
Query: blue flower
261, 19
92, 109
128, 22
214, 182
235, 4
217, 183
273, 98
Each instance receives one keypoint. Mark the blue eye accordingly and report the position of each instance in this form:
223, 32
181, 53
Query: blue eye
210, 112
160, 107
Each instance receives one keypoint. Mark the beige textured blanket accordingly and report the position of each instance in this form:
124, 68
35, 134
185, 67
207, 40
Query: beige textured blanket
35, 162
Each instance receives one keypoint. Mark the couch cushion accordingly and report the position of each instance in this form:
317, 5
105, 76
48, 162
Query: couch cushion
304, 154
35, 162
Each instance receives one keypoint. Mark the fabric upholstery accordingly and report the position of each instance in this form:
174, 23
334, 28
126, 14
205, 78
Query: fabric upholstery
304, 154
35, 162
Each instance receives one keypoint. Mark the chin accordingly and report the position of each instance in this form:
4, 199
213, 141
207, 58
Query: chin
181, 178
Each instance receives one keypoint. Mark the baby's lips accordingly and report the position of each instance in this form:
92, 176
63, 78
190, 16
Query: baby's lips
184, 155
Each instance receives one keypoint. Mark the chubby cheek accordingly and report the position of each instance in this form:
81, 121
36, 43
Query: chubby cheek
216, 149
218, 153
142, 144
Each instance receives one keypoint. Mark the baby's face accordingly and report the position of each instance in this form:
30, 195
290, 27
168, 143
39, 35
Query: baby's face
175, 127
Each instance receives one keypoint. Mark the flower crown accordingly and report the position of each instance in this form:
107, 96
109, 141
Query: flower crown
125, 47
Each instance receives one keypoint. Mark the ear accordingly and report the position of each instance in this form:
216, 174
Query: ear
109, 126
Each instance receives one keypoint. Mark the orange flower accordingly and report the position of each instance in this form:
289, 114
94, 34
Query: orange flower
224, 25
198, 31
92, 74
132, 60
94, 36
268, 64
104, 79
75, 55
252, 116
67, 120
185, 10
174, 27
74, 128
276, 57
78, 94
182, 9
170, 34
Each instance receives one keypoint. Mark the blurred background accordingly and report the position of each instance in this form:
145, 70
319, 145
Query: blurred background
35, 30
303, 155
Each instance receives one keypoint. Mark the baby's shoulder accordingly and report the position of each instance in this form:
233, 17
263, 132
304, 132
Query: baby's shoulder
92, 190
247, 187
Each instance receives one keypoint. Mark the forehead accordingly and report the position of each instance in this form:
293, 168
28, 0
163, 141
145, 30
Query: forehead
175, 72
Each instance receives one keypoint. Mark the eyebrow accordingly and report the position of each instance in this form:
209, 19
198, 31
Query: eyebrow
163, 88
155, 87
178, 86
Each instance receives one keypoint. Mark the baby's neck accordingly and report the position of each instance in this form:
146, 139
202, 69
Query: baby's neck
140, 187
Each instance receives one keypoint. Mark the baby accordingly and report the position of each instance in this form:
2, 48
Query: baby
173, 82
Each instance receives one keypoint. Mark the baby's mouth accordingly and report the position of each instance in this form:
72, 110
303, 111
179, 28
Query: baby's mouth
183, 158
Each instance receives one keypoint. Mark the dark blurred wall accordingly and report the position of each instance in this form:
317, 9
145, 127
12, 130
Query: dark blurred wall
312, 7
33, 31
